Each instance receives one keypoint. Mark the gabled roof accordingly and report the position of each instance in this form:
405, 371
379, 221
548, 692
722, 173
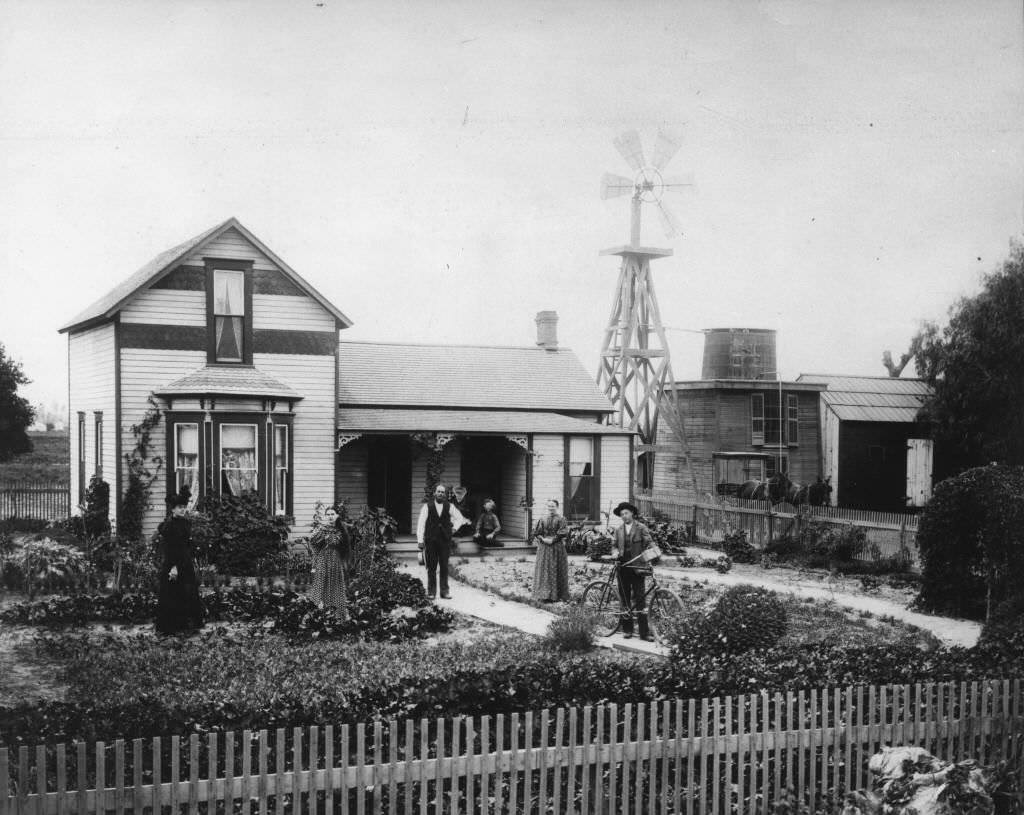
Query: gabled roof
871, 398
465, 376
112, 302
228, 380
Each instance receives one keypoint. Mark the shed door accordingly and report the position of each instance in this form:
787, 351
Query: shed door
919, 471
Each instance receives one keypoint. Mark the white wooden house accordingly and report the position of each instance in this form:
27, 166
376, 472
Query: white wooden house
240, 355
241, 359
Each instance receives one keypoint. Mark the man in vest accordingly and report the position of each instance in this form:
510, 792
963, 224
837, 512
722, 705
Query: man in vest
628, 545
434, 537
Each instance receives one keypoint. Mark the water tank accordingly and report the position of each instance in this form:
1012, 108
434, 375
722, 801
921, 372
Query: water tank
739, 353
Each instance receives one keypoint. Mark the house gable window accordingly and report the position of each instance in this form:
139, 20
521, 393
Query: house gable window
582, 483
229, 312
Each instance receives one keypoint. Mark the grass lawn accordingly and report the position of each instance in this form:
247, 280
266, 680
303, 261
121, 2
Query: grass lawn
48, 460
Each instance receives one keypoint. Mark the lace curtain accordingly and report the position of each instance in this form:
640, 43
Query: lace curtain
238, 457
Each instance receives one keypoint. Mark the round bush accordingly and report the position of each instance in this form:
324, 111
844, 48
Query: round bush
969, 538
745, 618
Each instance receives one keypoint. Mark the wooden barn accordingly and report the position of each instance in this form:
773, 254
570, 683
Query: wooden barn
876, 452
236, 360
735, 434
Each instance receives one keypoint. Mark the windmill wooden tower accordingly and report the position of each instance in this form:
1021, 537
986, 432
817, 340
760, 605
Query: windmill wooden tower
635, 371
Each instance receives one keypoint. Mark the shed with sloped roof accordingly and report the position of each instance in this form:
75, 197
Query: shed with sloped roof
877, 453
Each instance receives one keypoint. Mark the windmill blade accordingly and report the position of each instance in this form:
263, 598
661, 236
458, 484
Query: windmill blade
665, 148
628, 144
615, 185
669, 222
677, 182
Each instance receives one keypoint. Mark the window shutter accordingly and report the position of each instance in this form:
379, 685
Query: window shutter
792, 419
757, 419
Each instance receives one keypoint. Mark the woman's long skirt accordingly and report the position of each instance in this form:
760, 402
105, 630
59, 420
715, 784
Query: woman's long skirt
551, 572
329, 590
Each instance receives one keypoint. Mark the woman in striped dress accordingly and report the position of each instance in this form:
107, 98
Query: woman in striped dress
551, 572
331, 549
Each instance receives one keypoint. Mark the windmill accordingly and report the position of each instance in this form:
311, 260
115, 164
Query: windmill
636, 369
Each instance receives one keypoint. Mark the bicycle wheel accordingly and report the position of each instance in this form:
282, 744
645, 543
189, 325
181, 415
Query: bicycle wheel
663, 608
602, 600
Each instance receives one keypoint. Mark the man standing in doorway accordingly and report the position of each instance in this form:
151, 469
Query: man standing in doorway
434, 537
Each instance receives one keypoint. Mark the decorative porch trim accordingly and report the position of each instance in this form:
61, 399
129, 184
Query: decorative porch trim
522, 441
345, 438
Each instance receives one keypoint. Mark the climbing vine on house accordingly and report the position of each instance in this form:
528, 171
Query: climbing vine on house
434, 444
142, 469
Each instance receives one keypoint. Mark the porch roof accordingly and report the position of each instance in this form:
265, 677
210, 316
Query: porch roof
411, 420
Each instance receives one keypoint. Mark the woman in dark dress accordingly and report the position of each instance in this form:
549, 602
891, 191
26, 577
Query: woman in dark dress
179, 608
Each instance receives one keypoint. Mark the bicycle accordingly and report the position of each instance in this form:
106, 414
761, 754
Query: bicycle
603, 599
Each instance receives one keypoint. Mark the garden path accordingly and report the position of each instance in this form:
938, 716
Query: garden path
821, 586
476, 602
815, 585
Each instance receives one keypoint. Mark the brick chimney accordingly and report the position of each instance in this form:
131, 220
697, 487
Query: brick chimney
547, 330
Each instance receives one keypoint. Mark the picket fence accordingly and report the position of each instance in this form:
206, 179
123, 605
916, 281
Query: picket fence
889, 534
722, 755
44, 500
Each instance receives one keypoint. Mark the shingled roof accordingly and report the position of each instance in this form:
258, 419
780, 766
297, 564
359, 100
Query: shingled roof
110, 303
465, 376
227, 380
871, 398
414, 420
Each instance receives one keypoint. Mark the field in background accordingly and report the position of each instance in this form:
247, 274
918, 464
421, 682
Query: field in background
48, 460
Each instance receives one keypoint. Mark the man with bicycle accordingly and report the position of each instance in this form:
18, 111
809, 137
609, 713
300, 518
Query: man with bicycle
628, 545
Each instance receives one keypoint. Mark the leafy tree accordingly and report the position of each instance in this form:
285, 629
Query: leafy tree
975, 366
16, 414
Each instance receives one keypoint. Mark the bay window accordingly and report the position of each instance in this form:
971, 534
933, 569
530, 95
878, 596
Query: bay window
231, 453
238, 461
280, 469
186, 458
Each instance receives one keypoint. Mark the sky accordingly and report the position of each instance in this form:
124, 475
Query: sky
433, 169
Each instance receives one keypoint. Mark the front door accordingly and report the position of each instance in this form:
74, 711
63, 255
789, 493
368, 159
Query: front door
389, 478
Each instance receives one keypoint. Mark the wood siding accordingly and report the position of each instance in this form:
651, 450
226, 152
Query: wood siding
513, 488
92, 388
288, 313
352, 486
548, 471
166, 307
230, 246
718, 420
142, 371
614, 474
313, 435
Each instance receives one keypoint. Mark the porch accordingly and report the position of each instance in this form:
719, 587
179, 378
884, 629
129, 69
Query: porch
404, 547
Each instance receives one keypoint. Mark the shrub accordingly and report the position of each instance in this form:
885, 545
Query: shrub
737, 547
16, 524
744, 618
43, 562
1004, 630
572, 631
96, 512
969, 541
235, 533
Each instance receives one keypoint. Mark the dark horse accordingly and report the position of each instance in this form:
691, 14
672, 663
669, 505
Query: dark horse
818, 494
776, 489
